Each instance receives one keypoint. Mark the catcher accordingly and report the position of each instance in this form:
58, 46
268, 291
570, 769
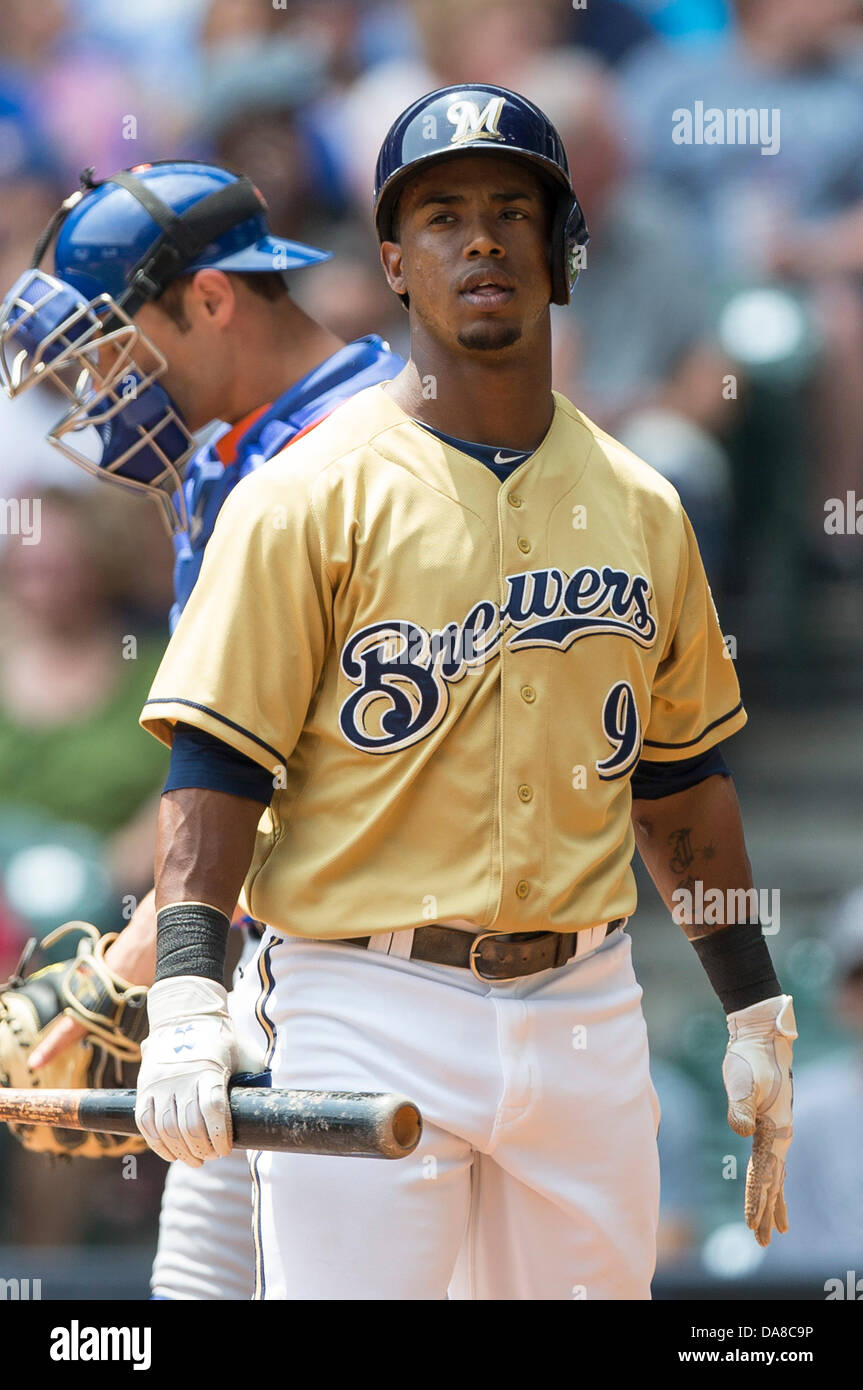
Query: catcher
166, 279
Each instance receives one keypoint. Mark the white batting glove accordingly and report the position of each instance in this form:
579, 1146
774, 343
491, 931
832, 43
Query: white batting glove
758, 1080
187, 1061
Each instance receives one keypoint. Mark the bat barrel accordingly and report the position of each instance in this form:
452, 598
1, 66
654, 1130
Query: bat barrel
357, 1123
362, 1124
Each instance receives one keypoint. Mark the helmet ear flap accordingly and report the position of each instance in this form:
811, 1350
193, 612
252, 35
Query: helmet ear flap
568, 238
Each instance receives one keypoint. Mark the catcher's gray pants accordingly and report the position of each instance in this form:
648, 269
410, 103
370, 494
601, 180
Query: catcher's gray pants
205, 1228
205, 1231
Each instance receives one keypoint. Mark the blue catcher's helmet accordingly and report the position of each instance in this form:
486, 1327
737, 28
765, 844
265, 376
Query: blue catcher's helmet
456, 120
134, 233
119, 243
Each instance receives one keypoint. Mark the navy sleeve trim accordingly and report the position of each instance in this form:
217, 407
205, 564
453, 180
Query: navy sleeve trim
652, 780
229, 723
723, 718
198, 759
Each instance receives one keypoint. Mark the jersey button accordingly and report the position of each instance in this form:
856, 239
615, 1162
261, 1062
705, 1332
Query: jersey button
523, 544
522, 888
525, 792
514, 499
528, 694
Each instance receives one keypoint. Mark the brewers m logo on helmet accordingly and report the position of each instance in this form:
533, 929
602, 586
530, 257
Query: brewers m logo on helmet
473, 124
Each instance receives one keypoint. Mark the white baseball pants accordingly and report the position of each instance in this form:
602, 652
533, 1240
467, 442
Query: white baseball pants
537, 1176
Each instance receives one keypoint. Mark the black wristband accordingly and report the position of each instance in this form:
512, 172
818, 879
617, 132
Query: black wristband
738, 965
191, 939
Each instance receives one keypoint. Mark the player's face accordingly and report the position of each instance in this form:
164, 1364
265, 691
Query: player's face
185, 356
473, 251
200, 350
115, 354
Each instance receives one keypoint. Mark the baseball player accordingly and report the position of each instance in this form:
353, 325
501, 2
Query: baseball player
224, 340
464, 642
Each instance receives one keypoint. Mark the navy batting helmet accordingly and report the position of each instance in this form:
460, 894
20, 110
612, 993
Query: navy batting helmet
455, 120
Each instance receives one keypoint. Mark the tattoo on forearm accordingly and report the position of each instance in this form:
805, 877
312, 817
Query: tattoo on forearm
684, 863
682, 853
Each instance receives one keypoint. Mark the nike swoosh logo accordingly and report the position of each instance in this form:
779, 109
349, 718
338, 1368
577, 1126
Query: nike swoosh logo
500, 458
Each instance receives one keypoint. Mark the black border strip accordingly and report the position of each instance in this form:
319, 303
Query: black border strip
651, 743
205, 709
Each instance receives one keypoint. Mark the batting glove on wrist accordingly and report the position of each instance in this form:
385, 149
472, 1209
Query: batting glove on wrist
758, 1080
182, 1106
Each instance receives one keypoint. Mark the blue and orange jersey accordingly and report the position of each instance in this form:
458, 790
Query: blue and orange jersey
217, 467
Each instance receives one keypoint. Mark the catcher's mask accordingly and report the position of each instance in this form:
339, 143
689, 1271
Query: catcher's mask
119, 243
138, 437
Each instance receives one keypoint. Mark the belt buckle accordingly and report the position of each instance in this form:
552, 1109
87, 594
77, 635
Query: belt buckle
485, 979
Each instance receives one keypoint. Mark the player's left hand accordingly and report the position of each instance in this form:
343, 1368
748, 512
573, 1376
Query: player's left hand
182, 1106
758, 1080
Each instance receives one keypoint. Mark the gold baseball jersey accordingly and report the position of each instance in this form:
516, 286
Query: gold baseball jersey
451, 679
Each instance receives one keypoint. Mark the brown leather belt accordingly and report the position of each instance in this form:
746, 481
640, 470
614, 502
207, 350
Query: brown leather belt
491, 956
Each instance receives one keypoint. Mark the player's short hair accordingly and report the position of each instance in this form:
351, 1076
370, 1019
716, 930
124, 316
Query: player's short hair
396, 218
270, 285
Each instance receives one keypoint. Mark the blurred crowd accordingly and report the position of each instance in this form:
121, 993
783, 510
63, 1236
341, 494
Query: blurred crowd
720, 330
717, 330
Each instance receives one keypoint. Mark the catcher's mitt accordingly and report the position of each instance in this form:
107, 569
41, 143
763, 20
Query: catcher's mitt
115, 1015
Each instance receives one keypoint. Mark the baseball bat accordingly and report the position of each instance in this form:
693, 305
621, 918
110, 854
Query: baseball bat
362, 1124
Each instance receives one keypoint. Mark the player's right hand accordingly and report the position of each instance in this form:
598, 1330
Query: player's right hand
187, 1061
